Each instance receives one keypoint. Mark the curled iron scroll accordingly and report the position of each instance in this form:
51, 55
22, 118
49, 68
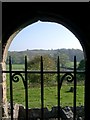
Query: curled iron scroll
69, 77
15, 77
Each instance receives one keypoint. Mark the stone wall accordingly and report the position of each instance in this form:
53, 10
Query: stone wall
0, 92
4, 90
66, 113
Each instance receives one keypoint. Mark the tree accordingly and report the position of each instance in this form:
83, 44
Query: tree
64, 58
81, 66
35, 64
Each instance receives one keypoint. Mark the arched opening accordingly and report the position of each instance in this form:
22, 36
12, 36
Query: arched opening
5, 52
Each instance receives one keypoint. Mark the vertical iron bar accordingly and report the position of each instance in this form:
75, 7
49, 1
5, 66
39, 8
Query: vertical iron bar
58, 80
42, 89
11, 87
26, 88
75, 83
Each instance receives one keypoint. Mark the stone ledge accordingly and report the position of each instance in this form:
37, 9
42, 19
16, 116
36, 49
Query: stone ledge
66, 113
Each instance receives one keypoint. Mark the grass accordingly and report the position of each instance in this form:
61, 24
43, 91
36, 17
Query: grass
16, 67
50, 94
22, 66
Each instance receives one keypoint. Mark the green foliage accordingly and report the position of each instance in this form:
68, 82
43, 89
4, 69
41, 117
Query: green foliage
81, 66
64, 59
18, 56
50, 95
35, 64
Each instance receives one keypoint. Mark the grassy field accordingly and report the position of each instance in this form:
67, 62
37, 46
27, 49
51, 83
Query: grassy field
16, 67
22, 66
50, 94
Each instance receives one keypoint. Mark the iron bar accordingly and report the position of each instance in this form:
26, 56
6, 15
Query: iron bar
39, 72
58, 80
26, 88
75, 84
11, 87
42, 90
69, 74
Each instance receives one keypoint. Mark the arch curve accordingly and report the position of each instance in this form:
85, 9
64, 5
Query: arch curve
45, 17
75, 17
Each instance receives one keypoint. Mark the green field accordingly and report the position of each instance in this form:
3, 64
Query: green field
22, 66
16, 67
50, 94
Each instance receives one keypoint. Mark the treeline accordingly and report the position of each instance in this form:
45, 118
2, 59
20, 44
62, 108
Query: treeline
49, 64
18, 57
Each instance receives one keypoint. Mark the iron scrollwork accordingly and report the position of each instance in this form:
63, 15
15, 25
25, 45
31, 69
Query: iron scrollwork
15, 78
69, 77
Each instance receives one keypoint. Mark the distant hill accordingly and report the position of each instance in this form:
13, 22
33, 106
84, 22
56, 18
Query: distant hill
18, 56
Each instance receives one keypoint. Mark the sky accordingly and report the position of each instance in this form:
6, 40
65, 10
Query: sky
44, 35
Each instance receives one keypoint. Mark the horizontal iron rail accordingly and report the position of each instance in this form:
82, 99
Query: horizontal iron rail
60, 79
44, 71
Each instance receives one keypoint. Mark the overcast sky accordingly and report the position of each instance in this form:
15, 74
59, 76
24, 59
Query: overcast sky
44, 35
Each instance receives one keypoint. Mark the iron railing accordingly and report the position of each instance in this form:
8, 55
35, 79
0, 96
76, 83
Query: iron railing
15, 74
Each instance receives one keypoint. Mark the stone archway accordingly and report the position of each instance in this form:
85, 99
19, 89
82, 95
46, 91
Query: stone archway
46, 18
4, 88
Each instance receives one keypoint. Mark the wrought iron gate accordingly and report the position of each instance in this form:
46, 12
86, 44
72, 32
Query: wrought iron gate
71, 76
